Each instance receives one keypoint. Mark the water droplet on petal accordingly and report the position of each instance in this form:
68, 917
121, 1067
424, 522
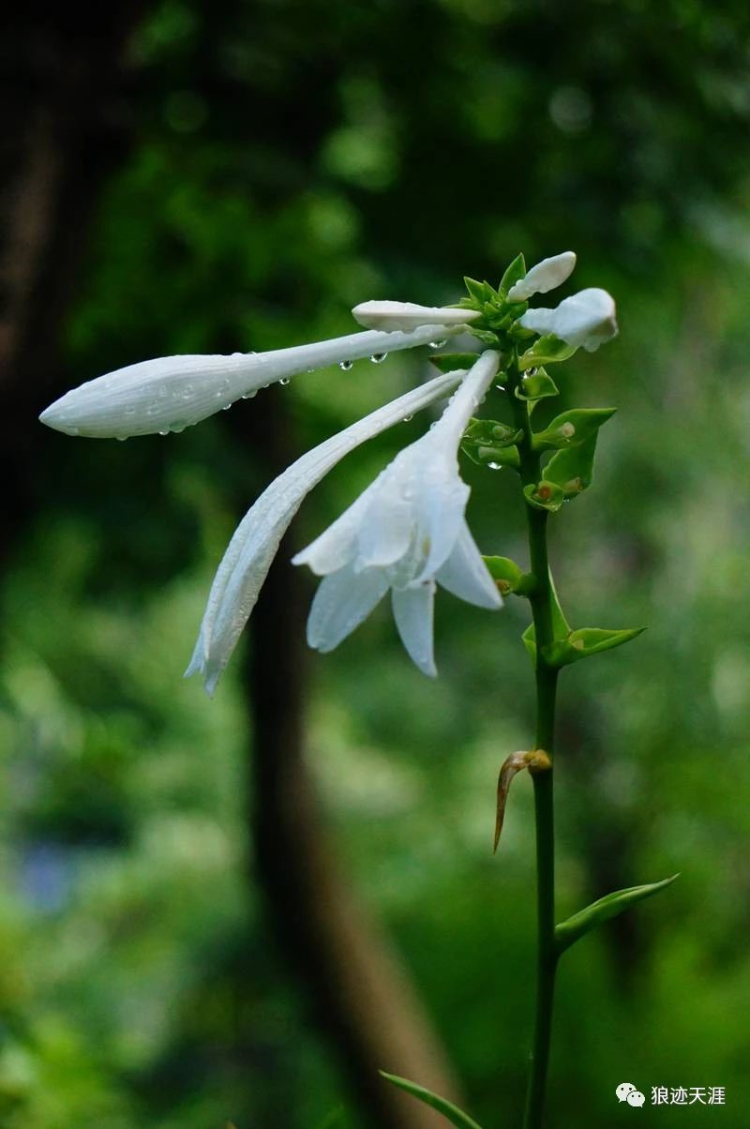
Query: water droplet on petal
164, 432
407, 418
530, 372
437, 344
346, 365
378, 358
226, 407
178, 426
250, 395
284, 381
500, 387
121, 438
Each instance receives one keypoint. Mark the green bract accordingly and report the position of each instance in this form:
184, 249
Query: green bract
602, 910
449, 1111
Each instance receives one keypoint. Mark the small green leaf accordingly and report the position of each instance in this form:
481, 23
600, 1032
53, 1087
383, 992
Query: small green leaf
491, 432
488, 442
449, 1111
548, 350
492, 457
480, 292
544, 496
609, 906
515, 272
587, 641
508, 576
560, 625
573, 427
448, 362
536, 385
486, 336
572, 468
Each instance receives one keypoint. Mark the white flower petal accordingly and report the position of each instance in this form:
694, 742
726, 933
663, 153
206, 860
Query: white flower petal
440, 512
385, 530
408, 315
466, 575
245, 564
337, 545
406, 524
171, 393
586, 319
545, 276
413, 610
465, 401
343, 601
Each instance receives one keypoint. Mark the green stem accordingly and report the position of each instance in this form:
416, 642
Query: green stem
546, 689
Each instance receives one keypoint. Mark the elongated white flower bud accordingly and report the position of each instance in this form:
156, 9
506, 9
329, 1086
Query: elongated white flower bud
586, 319
171, 393
545, 276
408, 315
245, 564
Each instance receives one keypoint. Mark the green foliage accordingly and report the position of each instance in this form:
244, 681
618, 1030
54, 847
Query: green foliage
536, 384
449, 1111
488, 442
547, 350
449, 362
587, 641
571, 428
572, 468
509, 576
577, 926
515, 272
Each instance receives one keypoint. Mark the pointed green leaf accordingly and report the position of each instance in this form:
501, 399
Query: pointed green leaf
515, 272
448, 362
548, 350
587, 641
609, 906
573, 427
536, 385
449, 1111
544, 496
480, 292
572, 468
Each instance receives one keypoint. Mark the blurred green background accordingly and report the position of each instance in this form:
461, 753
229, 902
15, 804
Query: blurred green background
265, 166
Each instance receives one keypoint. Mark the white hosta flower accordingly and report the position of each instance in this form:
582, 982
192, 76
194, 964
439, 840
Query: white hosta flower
586, 319
543, 277
407, 315
405, 532
245, 564
171, 393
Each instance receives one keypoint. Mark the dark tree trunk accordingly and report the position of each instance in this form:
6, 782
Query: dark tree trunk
64, 129
361, 996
